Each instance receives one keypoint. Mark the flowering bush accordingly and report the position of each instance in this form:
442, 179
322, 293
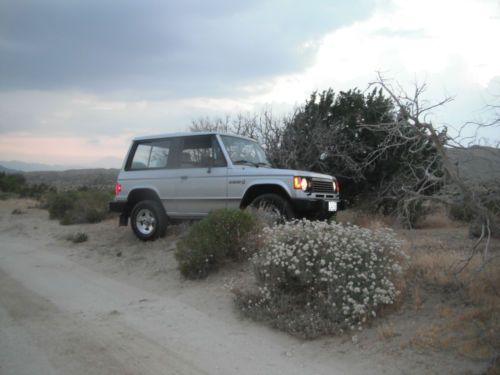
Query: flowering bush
215, 239
318, 278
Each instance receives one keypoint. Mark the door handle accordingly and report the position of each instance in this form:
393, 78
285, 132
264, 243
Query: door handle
184, 177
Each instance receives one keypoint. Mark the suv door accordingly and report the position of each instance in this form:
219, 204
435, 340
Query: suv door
202, 182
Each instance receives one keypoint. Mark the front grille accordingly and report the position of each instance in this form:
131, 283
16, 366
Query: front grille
322, 186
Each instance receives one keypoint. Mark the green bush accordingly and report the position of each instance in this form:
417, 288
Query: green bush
36, 190
220, 237
16, 184
316, 278
12, 183
75, 207
59, 204
94, 215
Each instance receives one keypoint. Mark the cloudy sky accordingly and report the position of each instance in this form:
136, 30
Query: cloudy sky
80, 78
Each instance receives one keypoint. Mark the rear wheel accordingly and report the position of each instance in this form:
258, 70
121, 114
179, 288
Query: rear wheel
148, 220
275, 205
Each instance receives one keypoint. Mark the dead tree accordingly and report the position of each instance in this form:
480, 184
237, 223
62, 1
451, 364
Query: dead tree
413, 111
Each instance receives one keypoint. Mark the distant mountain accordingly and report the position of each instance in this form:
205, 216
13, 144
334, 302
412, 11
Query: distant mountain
476, 163
31, 167
98, 178
16, 165
8, 170
108, 162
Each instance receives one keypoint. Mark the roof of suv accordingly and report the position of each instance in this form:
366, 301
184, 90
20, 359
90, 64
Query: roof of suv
185, 134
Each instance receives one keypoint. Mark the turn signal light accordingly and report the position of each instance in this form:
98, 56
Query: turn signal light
336, 186
297, 183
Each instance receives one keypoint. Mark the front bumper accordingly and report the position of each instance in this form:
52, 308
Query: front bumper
314, 208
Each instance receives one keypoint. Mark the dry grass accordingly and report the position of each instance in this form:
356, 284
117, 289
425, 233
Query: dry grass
365, 220
416, 297
460, 332
431, 337
434, 269
445, 311
483, 288
438, 220
387, 332
468, 318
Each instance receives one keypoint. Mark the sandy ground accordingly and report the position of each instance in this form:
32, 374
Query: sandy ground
116, 305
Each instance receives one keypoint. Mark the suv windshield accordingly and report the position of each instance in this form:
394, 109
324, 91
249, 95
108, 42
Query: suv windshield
244, 151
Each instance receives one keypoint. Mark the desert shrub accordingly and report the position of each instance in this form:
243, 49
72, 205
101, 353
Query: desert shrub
12, 183
17, 185
78, 237
94, 215
316, 278
59, 204
36, 190
75, 207
221, 236
17, 211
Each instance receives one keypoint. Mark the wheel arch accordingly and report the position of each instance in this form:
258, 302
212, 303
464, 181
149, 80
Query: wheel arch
263, 188
141, 194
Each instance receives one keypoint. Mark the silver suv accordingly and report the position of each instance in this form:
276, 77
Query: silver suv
186, 175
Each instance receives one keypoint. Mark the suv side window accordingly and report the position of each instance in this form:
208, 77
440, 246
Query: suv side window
201, 152
152, 155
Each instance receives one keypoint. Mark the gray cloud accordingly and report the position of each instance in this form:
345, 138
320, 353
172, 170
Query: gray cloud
194, 47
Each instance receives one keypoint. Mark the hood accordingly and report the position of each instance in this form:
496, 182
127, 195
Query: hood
266, 171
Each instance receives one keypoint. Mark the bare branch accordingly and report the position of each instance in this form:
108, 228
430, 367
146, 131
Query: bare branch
414, 109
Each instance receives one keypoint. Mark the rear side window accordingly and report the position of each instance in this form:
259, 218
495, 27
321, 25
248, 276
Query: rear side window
152, 155
200, 152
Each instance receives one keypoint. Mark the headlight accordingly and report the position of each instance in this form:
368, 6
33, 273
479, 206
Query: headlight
301, 183
304, 184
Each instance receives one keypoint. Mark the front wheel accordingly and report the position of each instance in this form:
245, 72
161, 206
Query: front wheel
148, 220
275, 205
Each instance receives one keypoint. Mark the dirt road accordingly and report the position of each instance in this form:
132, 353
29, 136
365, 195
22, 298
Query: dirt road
59, 317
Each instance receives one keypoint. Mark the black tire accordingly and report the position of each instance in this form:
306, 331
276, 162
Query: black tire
274, 203
148, 220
